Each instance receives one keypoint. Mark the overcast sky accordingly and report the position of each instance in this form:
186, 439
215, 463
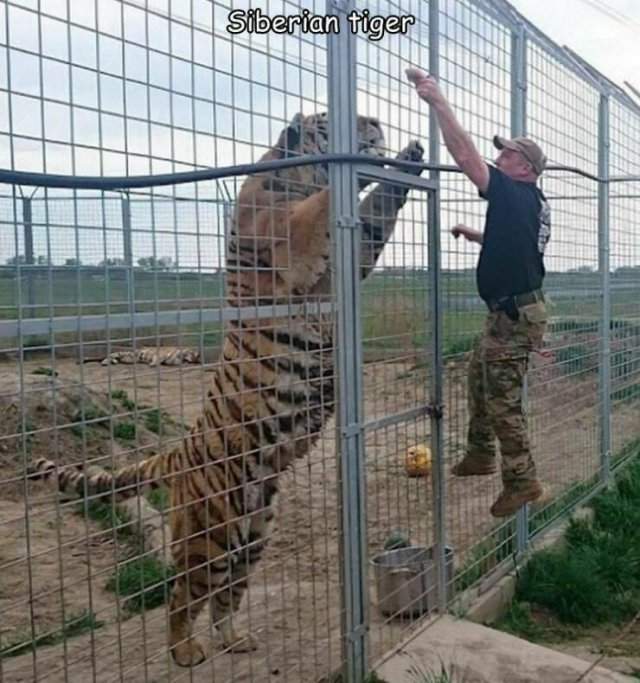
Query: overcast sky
186, 114
607, 37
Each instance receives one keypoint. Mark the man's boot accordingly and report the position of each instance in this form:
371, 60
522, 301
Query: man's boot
471, 466
514, 496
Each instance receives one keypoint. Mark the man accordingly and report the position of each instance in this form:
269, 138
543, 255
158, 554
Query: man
509, 278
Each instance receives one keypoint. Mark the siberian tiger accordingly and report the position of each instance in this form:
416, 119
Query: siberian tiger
151, 355
272, 391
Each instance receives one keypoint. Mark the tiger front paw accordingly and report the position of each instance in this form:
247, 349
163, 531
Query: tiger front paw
414, 151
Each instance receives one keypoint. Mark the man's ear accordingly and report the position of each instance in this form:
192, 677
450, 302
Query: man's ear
290, 136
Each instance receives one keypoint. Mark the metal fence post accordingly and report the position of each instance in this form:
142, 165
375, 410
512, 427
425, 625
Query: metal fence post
603, 265
350, 435
519, 127
127, 253
29, 256
435, 303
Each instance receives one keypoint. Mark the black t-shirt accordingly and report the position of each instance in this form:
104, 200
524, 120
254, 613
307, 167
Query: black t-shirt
516, 232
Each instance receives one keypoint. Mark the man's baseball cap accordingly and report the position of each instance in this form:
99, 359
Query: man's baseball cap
527, 147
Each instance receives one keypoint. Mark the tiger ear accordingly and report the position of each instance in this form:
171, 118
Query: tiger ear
290, 137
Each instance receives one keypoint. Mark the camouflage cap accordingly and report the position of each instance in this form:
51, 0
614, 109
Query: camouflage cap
527, 147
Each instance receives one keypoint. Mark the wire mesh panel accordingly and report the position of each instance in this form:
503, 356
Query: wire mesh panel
475, 62
142, 275
563, 116
395, 335
285, 464
624, 198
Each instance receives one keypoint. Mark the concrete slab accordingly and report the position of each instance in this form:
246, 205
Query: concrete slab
477, 654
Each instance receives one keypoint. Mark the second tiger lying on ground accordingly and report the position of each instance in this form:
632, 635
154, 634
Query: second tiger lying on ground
151, 355
273, 389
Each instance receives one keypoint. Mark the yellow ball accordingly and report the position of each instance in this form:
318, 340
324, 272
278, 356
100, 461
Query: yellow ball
417, 461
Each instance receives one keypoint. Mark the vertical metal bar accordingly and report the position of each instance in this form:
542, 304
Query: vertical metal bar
519, 81
127, 252
435, 303
603, 265
519, 127
348, 345
29, 256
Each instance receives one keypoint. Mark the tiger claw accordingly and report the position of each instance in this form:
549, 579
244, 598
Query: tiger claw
414, 151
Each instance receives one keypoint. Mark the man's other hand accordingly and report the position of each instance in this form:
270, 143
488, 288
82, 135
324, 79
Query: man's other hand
468, 233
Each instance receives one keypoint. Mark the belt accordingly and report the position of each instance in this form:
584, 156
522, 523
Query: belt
516, 299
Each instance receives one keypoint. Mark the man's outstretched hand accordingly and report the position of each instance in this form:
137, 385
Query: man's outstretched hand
426, 86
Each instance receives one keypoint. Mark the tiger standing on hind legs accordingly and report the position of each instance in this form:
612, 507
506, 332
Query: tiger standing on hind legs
272, 391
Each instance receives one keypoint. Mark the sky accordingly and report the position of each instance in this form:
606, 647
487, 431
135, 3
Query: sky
605, 32
131, 103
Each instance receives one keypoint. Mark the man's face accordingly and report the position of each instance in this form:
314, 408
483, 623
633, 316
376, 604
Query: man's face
515, 165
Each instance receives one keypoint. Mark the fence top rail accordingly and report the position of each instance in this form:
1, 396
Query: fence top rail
126, 182
48, 180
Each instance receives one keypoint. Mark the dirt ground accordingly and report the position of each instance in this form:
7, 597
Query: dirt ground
53, 560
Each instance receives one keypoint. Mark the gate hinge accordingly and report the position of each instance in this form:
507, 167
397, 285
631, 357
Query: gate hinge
351, 430
358, 632
348, 223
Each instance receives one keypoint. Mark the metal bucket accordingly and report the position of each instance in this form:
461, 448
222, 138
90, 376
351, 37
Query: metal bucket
407, 580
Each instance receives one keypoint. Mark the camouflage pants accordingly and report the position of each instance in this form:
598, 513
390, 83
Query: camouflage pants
496, 377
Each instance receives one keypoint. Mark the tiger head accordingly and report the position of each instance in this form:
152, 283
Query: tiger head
310, 135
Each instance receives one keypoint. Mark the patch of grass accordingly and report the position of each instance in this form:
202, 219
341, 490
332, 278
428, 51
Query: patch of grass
153, 420
537, 626
73, 626
459, 345
122, 396
92, 416
594, 577
45, 371
486, 555
91, 412
159, 498
416, 673
143, 582
125, 431
156, 420
519, 621
27, 434
577, 586
108, 516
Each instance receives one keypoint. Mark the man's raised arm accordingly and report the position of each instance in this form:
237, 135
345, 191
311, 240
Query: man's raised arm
457, 140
